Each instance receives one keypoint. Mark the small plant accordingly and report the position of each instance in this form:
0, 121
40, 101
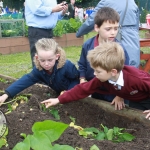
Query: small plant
72, 119
3, 80
3, 139
51, 110
44, 134
94, 147
115, 135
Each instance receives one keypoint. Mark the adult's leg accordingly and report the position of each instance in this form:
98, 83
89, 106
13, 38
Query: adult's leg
34, 34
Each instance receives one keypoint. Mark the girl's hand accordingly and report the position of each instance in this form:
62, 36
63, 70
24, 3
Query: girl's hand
119, 103
3, 98
148, 114
50, 102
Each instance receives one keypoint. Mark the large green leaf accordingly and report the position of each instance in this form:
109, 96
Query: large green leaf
52, 129
62, 147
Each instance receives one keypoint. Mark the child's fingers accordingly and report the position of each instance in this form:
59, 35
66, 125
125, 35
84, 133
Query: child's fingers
146, 111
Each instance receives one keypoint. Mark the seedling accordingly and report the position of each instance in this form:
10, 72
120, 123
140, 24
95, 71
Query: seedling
3, 80
72, 119
51, 110
21, 98
115, 135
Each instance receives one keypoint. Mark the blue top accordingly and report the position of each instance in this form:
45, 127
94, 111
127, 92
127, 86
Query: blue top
38, 13
84, 66
59, 80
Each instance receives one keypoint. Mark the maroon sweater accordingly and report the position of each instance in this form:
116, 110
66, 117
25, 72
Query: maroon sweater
136, 87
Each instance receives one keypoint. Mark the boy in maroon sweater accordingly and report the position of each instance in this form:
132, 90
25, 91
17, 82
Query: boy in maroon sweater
113, 77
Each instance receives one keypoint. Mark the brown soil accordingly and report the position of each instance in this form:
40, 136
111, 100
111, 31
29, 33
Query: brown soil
86, 116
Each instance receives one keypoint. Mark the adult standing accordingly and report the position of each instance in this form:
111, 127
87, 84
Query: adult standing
41, 17
71, 9
130, 27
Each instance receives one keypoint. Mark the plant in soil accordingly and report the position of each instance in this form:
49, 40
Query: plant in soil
44, 134
85, 114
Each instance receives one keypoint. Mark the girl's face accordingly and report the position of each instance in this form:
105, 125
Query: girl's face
47, 59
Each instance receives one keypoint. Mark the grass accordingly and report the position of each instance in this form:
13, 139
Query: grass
16, 65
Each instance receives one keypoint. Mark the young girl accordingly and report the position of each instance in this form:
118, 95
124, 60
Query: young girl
51, 68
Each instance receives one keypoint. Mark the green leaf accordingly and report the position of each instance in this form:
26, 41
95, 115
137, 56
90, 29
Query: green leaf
38, 138
72, 119
109, 134
94, 147
62, 147
52, 129
101, 136
2, 142
25, 145
55, 113
128, 137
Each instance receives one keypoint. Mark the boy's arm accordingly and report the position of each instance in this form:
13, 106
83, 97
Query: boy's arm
80, 91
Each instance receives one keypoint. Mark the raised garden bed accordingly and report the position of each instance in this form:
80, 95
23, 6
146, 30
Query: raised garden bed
87, 113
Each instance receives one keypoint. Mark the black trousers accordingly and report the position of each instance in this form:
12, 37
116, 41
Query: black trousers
143, 105
34, 34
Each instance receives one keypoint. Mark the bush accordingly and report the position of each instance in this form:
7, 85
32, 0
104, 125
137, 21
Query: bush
66, 26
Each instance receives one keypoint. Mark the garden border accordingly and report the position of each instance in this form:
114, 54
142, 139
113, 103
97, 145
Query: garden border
129, 113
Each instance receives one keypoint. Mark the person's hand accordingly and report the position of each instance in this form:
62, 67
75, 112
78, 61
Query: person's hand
119, 103
59, 7
65, 9
3, 98
50, 102
82, 80
148, 114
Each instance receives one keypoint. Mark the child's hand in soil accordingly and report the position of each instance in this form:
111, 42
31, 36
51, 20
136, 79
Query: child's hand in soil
3, 98
148, 114
119, 103
50, 102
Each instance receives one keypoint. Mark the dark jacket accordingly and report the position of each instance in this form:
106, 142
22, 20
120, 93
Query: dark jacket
71, 11
61, 79
84, 66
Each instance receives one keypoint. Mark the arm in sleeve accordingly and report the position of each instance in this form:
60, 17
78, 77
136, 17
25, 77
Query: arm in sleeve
82, 62
21, 84
88, 25
71, 71
80, 91
37, 8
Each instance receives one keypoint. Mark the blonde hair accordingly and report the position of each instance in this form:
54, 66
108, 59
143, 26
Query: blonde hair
108, 55
47, 44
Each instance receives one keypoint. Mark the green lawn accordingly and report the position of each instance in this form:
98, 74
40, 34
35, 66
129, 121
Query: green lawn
16, 65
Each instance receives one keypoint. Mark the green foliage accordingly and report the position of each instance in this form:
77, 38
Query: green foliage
94, 147
3, 80
116, 134
51, 110
3, 139
72, 119
44, 133
66, 26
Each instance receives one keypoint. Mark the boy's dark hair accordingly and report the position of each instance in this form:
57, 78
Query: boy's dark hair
106, 14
